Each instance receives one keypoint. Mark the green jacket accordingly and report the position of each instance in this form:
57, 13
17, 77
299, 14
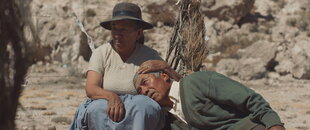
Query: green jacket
213, 101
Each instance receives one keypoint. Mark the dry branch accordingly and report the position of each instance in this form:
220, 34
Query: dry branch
187, 47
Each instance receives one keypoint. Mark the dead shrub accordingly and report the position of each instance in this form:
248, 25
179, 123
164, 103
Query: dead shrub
187, 48
195, 50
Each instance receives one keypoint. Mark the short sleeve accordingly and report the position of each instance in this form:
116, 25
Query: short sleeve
96, 62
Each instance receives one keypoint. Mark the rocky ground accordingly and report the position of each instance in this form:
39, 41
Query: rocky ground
53, 92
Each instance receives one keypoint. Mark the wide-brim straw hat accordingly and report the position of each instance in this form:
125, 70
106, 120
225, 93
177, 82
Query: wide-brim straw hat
126, 11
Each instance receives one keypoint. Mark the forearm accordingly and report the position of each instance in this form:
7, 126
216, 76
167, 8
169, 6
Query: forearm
159, 65
93, 86
173, 74
115, 109
260, 110
96, 92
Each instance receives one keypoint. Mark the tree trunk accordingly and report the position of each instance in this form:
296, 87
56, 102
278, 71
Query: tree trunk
13, 60
187, 48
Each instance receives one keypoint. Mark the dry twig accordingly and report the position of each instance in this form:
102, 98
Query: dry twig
187, 47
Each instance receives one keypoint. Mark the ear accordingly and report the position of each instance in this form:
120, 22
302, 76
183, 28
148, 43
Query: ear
139, 34
164, 76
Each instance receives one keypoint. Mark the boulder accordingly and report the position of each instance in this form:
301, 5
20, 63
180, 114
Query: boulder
251, 62
251, 68
245, 69
262, 49
296, 59
228, 66
227, 10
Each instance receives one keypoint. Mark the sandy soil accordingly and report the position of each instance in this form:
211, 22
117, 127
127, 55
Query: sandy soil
53, 92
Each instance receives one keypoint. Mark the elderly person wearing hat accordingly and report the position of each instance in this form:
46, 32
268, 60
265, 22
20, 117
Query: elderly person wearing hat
113, 103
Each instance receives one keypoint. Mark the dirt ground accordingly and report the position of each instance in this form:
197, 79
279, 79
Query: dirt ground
53, 92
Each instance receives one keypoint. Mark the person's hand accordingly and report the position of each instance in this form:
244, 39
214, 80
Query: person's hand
116, 109
276, 127
152, 66
158, 65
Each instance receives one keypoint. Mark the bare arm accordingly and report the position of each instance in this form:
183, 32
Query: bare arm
93, 86
159, 65
94, 91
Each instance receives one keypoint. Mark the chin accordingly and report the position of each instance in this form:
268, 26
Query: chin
119, 46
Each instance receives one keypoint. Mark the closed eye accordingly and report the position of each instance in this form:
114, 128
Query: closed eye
142, 82
139, 90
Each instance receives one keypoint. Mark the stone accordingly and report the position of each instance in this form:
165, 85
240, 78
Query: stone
227, 10
261, 49
49, 113
228, 67
246, 68
252, 62
295, 59
38, 107
51, 128
251, 68
61, 119
273, 75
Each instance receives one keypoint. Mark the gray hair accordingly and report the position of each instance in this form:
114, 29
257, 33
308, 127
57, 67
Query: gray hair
137, 74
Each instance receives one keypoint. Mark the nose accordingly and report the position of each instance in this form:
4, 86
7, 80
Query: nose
144, 90
116, 36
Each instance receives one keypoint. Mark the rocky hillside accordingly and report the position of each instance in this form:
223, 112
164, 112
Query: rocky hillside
246, 38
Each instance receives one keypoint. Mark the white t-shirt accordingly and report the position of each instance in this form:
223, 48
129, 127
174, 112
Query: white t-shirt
118, 75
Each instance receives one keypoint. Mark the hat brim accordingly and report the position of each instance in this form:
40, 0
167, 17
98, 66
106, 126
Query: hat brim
142, 24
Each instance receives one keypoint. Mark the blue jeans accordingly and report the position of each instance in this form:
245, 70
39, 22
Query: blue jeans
142, 113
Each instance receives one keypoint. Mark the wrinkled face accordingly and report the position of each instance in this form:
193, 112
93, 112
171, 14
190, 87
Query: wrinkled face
125, 33
152, 86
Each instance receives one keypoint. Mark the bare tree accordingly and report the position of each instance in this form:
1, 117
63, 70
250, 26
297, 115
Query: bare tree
187, 48
13, 59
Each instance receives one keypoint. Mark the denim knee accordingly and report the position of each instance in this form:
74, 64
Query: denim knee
143, 102
98, 105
